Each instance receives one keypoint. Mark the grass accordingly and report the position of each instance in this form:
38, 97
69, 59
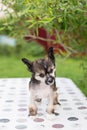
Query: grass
69, 68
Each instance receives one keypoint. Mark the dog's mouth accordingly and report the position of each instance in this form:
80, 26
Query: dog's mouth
50, 80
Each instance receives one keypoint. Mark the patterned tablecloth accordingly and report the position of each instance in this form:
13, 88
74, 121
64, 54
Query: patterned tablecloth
14, 100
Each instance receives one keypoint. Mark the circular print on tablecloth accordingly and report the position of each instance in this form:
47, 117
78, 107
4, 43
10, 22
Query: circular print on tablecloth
78, 103
76, 99
63, 100
57, 125
72, 93
73, 119
4, 120
67, 108
22, 105
21, 120
12, 88
22, 109
82, 108
38, 120
21, 127
23, 93
69, 90
9, 101
85, 118
7, 109
1, 91
23, 101
11, 94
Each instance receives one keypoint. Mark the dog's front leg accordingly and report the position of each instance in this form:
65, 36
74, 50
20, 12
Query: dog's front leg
55, 98
32, 106
50, 108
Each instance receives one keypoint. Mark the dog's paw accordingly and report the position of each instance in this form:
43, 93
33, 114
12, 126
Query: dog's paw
55, 98
32, 110
50, 110
56, 103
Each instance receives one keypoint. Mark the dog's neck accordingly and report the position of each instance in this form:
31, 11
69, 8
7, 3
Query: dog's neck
34, 81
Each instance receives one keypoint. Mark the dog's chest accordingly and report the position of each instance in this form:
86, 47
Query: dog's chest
42, 90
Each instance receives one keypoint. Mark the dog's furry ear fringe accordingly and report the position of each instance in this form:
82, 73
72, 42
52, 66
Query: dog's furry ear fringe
51, 54
28, 63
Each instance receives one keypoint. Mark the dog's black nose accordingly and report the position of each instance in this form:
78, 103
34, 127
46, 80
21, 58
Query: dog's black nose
50, 79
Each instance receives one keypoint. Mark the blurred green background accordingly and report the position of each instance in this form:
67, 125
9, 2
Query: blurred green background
11, 65
20, 18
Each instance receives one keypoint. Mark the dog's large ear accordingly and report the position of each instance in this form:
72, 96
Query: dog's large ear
28, 63
51, 55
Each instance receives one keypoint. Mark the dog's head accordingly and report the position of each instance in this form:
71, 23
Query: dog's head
43, 70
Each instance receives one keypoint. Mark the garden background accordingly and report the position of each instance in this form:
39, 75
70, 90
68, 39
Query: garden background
28, 28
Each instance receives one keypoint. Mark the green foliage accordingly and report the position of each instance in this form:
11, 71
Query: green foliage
83, 81
6, 50
69, 15
22, 49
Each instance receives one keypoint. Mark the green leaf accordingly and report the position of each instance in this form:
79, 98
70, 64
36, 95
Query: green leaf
60, 19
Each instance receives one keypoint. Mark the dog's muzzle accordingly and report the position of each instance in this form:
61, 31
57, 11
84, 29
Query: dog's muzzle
49, 80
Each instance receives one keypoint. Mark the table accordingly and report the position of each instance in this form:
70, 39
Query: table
14, 100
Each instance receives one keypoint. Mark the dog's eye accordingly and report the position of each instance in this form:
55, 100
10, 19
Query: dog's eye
51, 70
41, 75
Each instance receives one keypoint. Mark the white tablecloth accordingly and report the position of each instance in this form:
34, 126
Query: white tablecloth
14, 100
